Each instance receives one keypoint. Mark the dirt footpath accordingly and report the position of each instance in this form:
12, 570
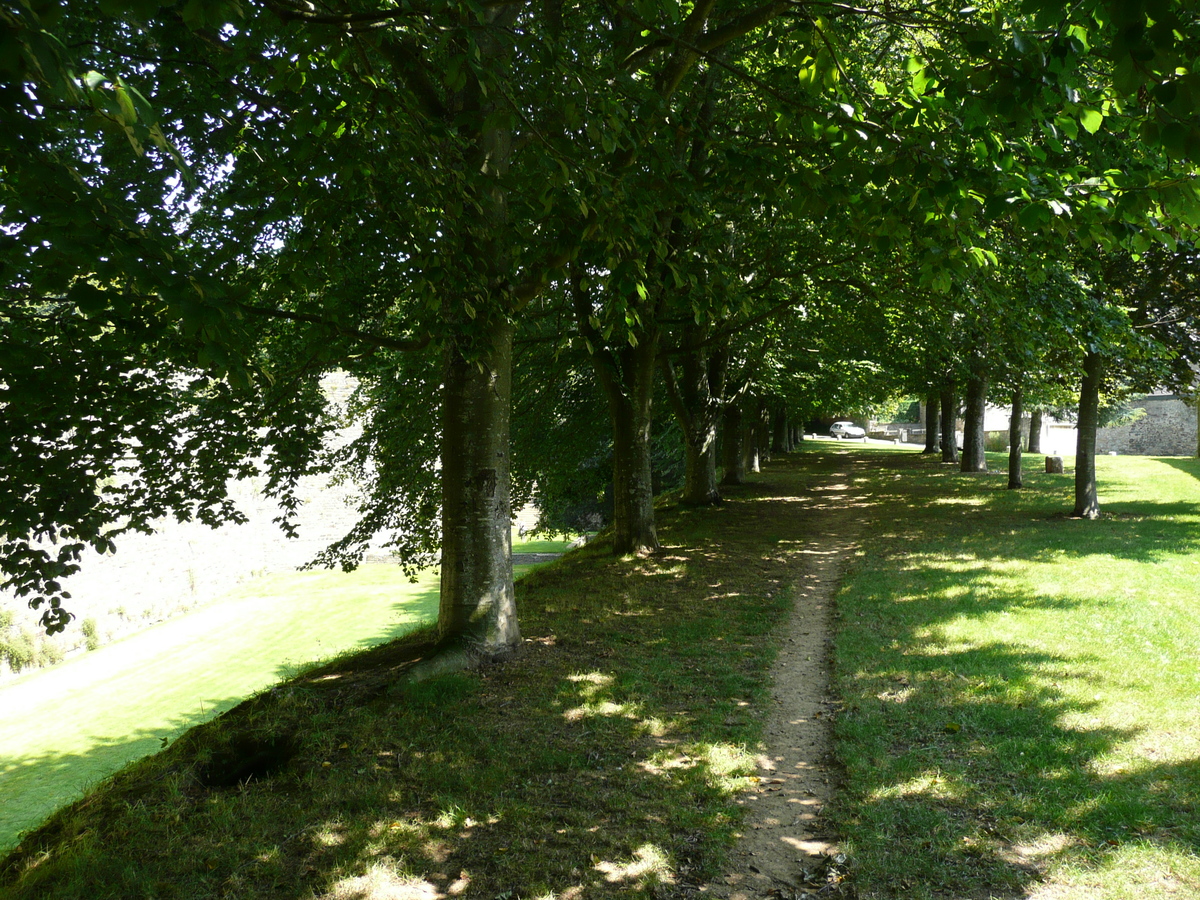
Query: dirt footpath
785, 852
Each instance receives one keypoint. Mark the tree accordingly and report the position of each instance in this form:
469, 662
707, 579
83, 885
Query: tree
290, 188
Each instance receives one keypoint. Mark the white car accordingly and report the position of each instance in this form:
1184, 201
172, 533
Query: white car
847, 430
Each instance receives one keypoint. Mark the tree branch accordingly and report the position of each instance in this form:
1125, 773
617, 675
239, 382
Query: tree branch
375, 340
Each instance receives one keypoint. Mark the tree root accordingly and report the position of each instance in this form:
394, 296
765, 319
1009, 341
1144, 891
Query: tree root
456, 656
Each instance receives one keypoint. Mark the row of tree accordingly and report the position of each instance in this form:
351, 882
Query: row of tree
751, 210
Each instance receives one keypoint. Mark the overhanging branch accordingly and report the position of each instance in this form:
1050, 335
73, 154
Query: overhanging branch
375, 340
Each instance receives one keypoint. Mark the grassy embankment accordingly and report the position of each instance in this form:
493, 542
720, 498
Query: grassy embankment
605, 759
1021, 718
1022, 690
67, 727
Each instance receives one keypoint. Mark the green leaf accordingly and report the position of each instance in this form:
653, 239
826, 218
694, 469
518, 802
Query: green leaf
128, 113
1091, 120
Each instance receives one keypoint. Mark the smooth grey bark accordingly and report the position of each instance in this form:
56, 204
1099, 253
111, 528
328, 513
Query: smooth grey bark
732, 445
696, 387
762, 437
933, 436
1087, 503
477, 617
1035, 432
949, 405
974, 457
477, 612
1014, 441
752, 432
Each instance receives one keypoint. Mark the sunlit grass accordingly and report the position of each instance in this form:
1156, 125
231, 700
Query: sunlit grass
1023, 700
66, 727
604, 760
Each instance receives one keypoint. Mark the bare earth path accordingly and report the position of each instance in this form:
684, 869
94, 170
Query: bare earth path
785, 853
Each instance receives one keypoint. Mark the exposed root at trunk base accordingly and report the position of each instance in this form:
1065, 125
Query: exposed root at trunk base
453, 656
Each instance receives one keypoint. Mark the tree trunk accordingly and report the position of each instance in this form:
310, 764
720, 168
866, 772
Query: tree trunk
630, 393
732, 445
933, 435
697, 389
779, 427
1014, 441
759, 448
751, 433
477, 613
1087, 503
974, 457
763, 429
477, 617
949, 426
1035, 431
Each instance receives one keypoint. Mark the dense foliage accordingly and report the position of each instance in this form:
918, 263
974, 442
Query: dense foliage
784, 207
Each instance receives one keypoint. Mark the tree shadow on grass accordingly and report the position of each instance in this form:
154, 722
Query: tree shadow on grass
1187, 464
34, 786
982, 754
971, 773
600, 763
993, 522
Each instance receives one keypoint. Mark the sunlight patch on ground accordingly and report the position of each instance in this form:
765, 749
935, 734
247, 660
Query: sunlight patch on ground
730, 768
1130, 872
591, 682
931, 784
603, 708
1038, 851
648, 866
591, 685
653, 726
381, 883
664, 762
329, 838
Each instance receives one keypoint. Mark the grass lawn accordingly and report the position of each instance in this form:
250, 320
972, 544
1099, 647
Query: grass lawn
605, 760
68, 726
1021, 717
1022, 690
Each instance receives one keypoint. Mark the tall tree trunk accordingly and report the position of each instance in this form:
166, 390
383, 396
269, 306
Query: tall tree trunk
933, 437
477, 616
626, 377
974, 457
733, 444
949, 426
1014, 441
779, 428
630, 393
752, 429
477, 613
1035, 431
1087, 503
762, 437
697, 388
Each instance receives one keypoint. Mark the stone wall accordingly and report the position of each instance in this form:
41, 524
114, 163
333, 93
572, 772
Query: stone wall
1167, 429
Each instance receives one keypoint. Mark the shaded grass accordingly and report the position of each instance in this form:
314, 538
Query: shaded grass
69, 726
64, 728
601, 762
1022, 697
